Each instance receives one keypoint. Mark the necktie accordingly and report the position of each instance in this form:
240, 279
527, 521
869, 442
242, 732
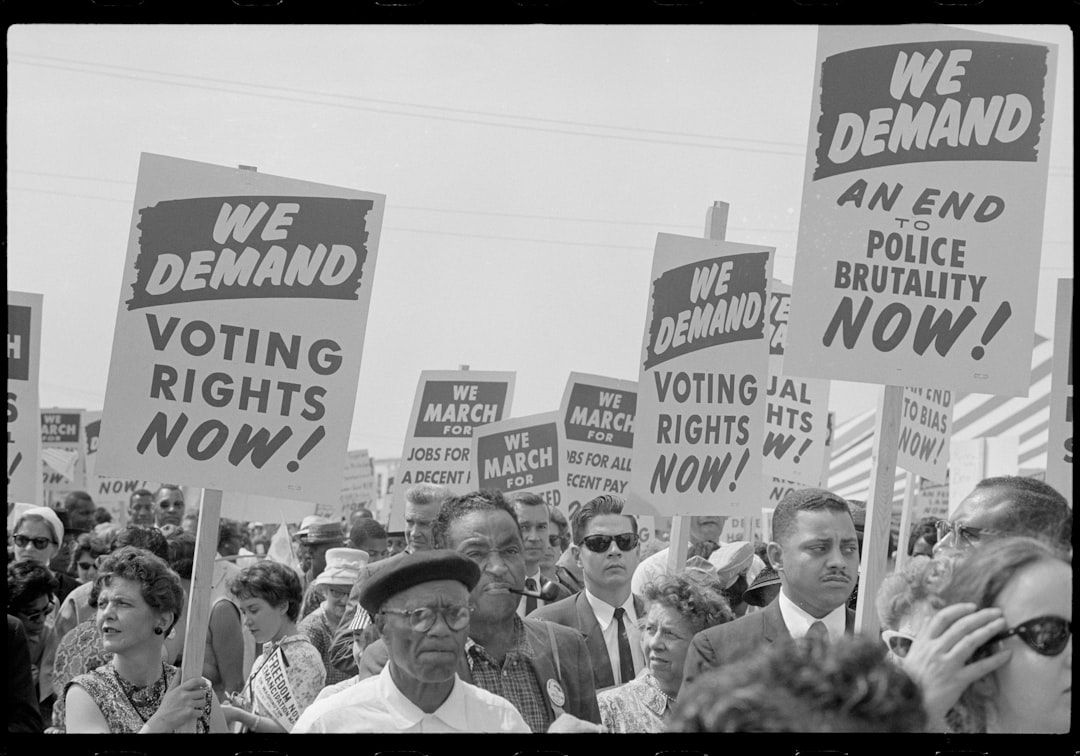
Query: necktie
818, 631
626, 659
530, 601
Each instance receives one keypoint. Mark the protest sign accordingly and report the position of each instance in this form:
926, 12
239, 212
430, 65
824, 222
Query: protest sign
63, 467
703, 373
925, 178
1059, 453
925, 431
113, 494
239, 330
597, 416
520, 454
766, 523
24, 482
797, 410
357, 483
271, 689
448, 407
931, 501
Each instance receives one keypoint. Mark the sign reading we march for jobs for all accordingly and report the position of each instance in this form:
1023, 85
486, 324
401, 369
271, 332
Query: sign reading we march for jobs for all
921, 224
597, 414
701, 398
239, 330
521, 454
23, 422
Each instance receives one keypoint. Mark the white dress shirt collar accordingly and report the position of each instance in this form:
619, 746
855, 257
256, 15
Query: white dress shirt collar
605, 612
798, 620
406, 715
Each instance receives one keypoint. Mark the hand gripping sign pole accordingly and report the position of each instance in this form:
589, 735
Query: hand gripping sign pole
716, 218
879, 508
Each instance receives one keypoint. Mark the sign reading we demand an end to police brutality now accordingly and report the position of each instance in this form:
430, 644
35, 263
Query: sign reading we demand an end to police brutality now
701, 399
922, 214
597, 415
239, 331
521, 454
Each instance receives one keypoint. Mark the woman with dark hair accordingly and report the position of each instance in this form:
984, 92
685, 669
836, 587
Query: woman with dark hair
84, 554
139, 599
30, 588
270, 595
1012, 673
679, 607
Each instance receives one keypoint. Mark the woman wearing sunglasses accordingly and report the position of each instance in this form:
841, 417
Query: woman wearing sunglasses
1016, 666
38, 534
289, 673
906, 600
30, 588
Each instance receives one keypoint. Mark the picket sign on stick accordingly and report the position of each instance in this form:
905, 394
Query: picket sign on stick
716, 218
879, 508
905, 521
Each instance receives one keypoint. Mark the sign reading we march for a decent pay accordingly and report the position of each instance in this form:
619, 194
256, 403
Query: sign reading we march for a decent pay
597, 416
520, 454
239, 330
23, 422
922, 214
449, 406
925, 431
63, 467
1059, 451
702, 383
797, 410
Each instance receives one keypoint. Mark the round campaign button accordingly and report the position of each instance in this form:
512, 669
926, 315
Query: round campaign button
555, 693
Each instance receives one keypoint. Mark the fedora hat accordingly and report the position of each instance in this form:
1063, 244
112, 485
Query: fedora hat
763, 590
323, 531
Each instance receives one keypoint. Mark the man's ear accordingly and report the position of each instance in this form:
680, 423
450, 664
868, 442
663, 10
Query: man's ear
775, 552
575, 551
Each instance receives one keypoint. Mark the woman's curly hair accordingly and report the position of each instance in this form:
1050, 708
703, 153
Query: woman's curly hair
272, 582
700, 605
159, 584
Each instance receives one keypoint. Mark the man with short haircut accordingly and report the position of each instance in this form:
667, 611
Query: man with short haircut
606, 612
544, 670
421, 607
534, 519
816, 552
368, 535
169, 506
140, 509
1009, 505
80, 510
355, 631
230, 539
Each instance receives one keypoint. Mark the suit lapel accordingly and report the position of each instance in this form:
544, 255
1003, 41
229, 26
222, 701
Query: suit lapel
594, 639
773, 627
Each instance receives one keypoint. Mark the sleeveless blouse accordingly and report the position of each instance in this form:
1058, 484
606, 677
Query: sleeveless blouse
107, 691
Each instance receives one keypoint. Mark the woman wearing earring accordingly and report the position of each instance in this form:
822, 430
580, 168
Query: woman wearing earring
139, 599
289, 673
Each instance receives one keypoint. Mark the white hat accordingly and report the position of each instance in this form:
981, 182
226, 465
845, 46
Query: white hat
47, 514
731, 560
342, 567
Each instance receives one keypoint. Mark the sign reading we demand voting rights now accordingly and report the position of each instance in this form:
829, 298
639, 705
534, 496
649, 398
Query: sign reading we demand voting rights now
239, 331
922, 214
701, 398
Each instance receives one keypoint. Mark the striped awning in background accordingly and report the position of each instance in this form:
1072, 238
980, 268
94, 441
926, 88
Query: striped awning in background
974, 416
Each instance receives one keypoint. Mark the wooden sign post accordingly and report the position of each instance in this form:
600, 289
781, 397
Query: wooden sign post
716, 218
906, 516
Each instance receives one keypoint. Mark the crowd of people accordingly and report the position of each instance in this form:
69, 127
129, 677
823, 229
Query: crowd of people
496, 612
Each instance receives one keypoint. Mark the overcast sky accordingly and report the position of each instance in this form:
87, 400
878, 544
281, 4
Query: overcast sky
527, 171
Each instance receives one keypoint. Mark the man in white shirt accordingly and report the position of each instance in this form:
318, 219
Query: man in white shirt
606, 612
534, 522
421, 607
815, 550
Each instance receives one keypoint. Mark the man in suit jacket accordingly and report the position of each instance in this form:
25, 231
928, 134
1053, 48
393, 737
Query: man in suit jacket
605, 612
553, 690
534, 521
23, 714
816, 552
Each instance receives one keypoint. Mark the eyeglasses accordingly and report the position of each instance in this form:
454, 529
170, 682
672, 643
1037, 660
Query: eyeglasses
601, 543
961, 533
554, 540
423, 619
1046, 636
44, 612
87, 565
899, 643
39, 543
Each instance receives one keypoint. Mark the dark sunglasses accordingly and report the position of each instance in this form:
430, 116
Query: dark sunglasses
1046, 636
39, 543
87, 565
554, 540
44, 612
961, 533
601, 543
423, 619
898, 642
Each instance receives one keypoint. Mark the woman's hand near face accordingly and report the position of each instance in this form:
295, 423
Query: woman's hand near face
938, 659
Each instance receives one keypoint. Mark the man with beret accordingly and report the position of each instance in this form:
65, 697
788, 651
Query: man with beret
815, 550
355, 631
543, 669
421, 607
